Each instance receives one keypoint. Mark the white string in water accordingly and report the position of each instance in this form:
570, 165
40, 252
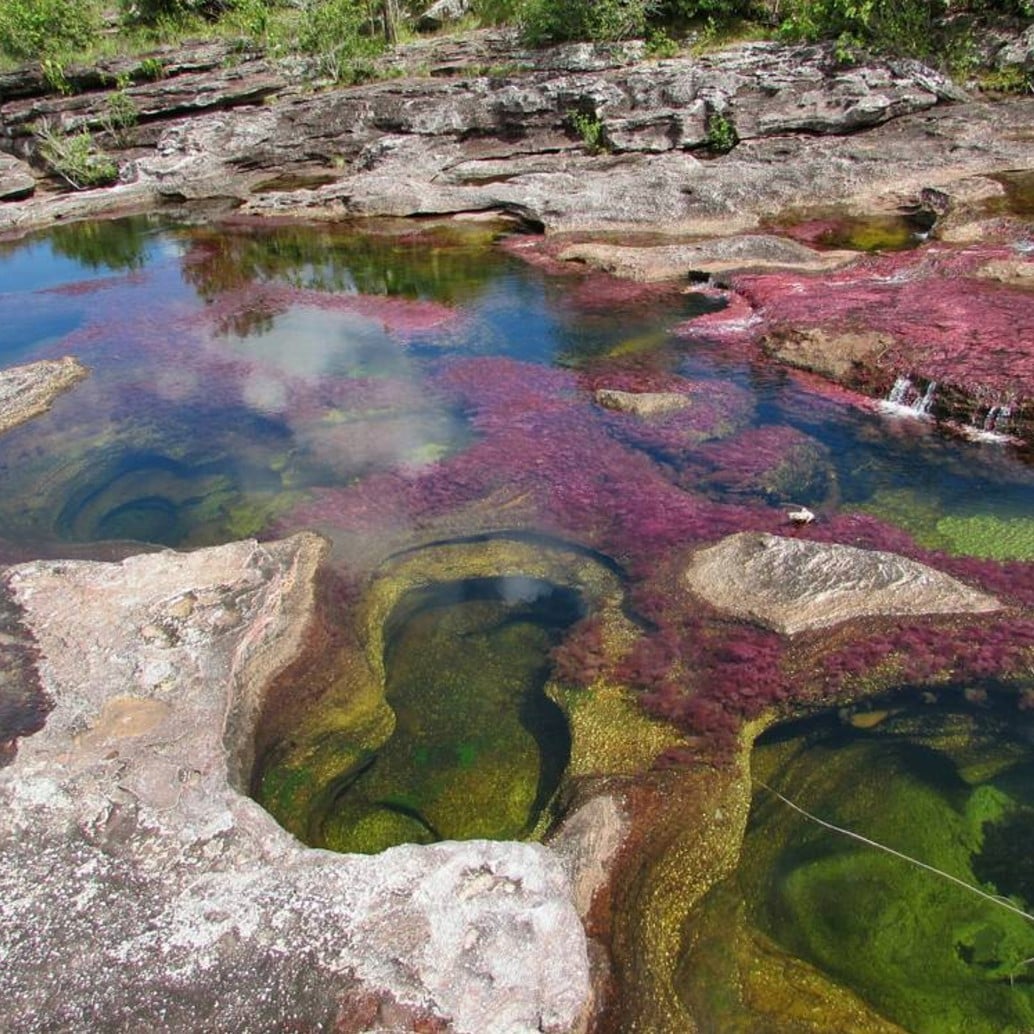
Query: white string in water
994, 899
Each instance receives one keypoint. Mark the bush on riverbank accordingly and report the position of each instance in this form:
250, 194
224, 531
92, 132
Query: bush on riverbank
344, 29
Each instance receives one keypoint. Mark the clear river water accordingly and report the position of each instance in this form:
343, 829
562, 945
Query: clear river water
394, 386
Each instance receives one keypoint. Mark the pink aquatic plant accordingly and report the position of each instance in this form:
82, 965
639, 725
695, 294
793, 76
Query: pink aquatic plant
970, 334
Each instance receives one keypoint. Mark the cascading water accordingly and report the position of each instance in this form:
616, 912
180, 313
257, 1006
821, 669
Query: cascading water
997, 419
904, 399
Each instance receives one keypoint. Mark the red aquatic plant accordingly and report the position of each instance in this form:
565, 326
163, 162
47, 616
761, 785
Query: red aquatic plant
582, 657
943, 323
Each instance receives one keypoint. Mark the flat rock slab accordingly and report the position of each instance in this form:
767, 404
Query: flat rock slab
793, 585
674, 261
26, 391
642, 403
139, 889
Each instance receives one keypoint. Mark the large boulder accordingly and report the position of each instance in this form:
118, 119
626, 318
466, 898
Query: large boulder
793, 585
673, 261
141, 887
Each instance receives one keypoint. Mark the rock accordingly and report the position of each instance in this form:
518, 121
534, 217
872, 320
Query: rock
928, 315
131, 854
588, 842
1014, 272
642, 403
794, 585
442, 13
837, 355
1017, 52
461, 141
26, 391
671, 261
16, 179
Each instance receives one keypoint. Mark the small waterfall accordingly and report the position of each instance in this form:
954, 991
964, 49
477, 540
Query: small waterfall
997, 419
921, 406
904, 399
995, 426
899, 393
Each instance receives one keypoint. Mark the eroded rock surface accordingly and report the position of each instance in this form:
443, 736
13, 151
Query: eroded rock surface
793, 585
26, 391
16, 179
140, 888
642, 403
446, 138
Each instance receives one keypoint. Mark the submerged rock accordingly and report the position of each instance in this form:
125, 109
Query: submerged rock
133, 858
642, 403
26, 391
794, 585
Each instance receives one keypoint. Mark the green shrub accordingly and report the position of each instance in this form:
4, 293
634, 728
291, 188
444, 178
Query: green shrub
1009, 80
173, 12
718, 10
914, 27
338, 33
120, 112
590, 128
554, 21
659, 44
721, 133
34, 28
53, 70
76, 159
495, 12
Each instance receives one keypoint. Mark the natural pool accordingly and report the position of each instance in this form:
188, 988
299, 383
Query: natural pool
418, 393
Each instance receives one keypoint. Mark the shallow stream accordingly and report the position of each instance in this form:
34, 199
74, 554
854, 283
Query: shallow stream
397, 386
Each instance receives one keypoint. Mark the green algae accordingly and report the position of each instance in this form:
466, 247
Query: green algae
989, 536
919, 950
440, 720
868, 232
478, 749
962, 530
874, 233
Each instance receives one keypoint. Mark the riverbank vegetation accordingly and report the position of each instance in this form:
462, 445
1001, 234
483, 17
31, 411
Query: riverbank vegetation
345, 35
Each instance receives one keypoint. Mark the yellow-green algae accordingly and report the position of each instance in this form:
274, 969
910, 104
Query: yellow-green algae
378, 759
690, 830
965, 530
907, 945
477, 749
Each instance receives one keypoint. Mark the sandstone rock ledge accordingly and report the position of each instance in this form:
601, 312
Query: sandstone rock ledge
26, 391
793, 585
140, 889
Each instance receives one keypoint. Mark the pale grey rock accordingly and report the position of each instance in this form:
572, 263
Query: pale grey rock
672, 261
792, 585
28, 390
141, 889
442, 13
588, 843
642, 403
16, 179
1018, 52
407, 146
